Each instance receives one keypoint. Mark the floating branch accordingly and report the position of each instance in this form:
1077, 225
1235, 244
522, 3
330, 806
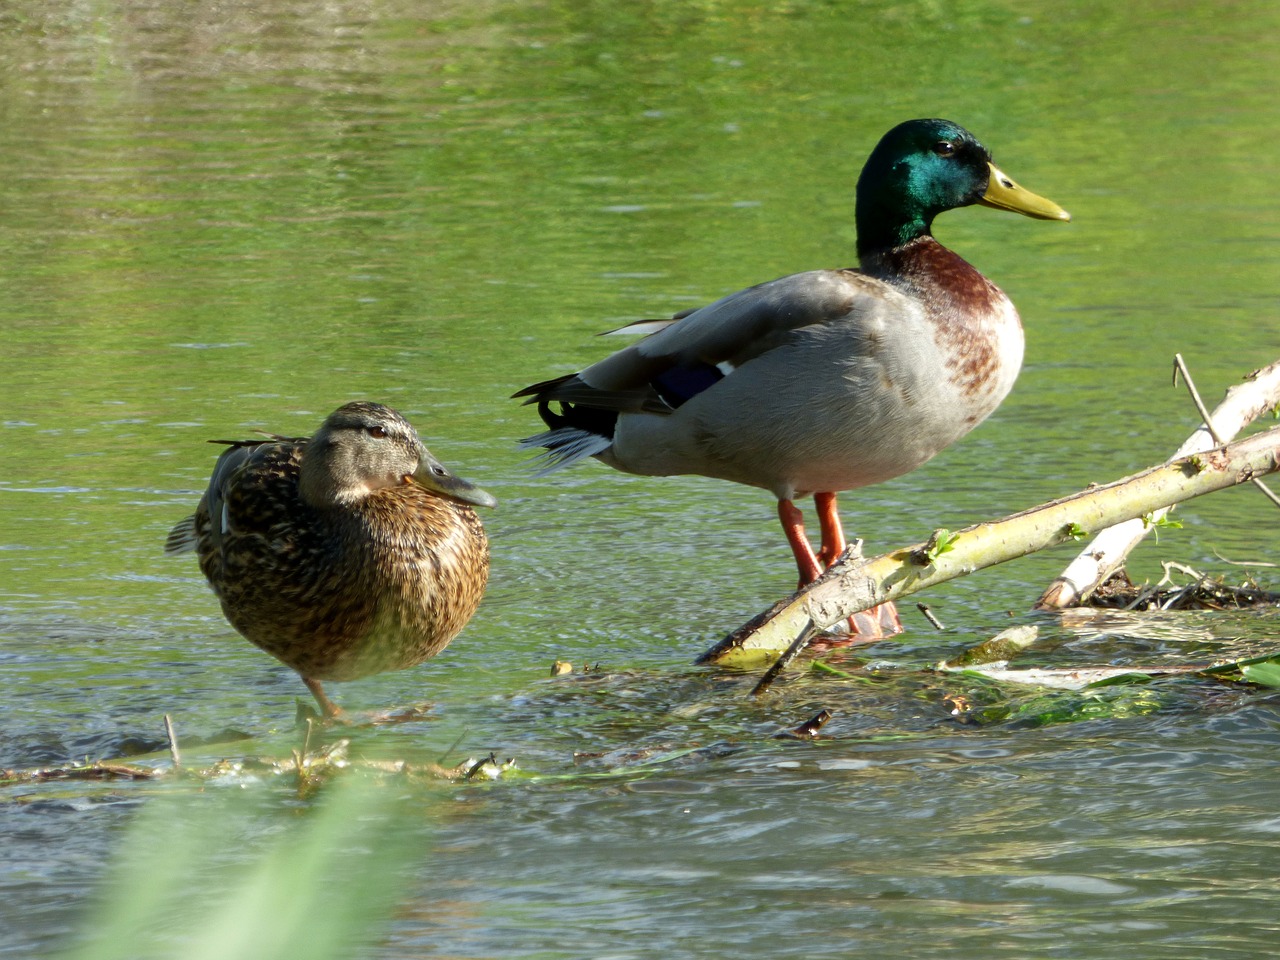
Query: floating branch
849, 587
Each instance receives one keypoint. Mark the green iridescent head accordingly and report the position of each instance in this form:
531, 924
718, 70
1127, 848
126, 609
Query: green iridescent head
922, 168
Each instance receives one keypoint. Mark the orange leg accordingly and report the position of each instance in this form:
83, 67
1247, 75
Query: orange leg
793, 526
833, 542
873, 624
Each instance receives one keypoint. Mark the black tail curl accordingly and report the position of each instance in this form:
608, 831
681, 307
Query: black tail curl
575, 416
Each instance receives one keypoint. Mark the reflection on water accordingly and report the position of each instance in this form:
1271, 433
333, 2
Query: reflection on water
226, 217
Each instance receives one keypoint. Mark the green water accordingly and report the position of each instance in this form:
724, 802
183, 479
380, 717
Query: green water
216, 218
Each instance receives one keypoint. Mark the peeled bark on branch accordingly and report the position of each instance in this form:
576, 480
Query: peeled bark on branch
853, 585
1107, 552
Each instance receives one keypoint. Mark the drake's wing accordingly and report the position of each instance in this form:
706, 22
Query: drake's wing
693, 351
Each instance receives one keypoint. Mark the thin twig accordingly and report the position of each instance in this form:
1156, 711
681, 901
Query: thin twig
928, 615
300, 755
1143, 594
1170, 565
1181, 367
453, 746
1244, 563
173, 741
802, 640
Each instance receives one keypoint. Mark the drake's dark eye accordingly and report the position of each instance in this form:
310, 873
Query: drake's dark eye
376, 432
944, 148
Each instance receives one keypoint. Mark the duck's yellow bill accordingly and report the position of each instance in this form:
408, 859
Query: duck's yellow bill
1003, 194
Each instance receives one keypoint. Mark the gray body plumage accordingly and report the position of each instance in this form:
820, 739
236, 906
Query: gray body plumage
832, 380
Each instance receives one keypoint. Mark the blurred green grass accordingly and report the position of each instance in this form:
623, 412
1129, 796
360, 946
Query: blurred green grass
244, 873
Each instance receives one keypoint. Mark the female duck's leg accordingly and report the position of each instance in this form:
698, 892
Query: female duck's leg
881, 621
327, 706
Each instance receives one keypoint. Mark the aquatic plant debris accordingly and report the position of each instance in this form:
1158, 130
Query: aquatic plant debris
1201, 592
1005, 645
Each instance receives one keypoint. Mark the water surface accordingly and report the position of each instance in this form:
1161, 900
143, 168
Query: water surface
232, 217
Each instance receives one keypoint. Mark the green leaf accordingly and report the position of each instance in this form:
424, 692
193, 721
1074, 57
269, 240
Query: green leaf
942, 541
819, 666
1121, 679
1266, 673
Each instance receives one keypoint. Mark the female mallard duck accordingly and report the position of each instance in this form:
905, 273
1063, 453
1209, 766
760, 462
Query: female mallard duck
821, 381
347, 554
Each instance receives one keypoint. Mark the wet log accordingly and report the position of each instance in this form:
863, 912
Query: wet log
851, 585
1107, 552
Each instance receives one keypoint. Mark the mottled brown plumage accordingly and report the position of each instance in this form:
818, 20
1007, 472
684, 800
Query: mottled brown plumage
350, 553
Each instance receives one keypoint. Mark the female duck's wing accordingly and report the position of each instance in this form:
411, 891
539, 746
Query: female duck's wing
238, 477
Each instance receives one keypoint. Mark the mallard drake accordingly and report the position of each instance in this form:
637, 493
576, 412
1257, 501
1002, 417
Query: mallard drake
346, 554
821, 381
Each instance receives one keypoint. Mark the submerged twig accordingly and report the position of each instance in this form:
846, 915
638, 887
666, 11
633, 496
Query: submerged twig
802, 640
97, 770
479, 765
928, 615
807, 730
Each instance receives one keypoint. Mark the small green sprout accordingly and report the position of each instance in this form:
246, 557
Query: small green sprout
1166, 522
942, 541
1076, 532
